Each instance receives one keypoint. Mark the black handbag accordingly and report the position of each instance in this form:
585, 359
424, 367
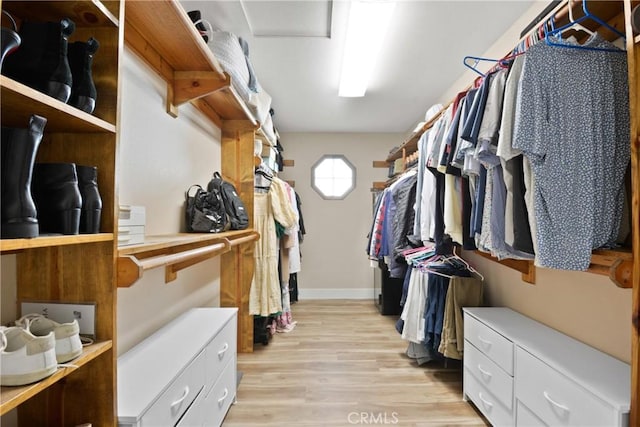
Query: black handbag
205, 212
232, 202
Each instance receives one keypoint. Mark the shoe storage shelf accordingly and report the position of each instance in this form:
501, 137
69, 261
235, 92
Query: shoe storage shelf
162, 34
71, 268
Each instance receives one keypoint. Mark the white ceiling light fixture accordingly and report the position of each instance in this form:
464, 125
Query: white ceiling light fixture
368, 23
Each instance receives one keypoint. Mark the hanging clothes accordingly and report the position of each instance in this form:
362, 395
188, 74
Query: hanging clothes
265, 297
572, 123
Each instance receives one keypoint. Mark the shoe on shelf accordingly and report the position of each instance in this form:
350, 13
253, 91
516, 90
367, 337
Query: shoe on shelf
83, 89
24, 357
57, 197
67, 335
41, 62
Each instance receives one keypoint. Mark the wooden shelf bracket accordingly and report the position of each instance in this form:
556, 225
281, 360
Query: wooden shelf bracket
190, 85
526, 267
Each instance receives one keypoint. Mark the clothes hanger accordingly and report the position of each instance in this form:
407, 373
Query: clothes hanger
476, 60
557, 32
577, 25
471, 269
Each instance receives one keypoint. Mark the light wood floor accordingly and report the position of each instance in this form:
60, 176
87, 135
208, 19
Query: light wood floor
343, 365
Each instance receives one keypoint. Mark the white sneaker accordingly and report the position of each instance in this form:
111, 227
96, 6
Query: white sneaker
25, 358
67, 335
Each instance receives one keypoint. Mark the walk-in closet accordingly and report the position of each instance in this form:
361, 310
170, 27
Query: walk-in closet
320, 213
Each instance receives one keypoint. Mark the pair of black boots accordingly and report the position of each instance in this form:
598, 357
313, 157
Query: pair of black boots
47, 62
44, 197
67, 198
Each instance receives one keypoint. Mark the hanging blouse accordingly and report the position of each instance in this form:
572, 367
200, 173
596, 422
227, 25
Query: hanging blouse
572, 123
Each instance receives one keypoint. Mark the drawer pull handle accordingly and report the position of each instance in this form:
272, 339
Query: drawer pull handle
488, 404
224, 350
553, 402
185, 393
485, 342
226, 393
483, 372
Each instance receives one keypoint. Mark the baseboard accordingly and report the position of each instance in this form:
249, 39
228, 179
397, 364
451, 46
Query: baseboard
337, 293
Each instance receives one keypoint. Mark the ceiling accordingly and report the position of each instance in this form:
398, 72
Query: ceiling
296, 51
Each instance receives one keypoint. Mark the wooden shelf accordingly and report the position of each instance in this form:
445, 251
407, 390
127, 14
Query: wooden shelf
82, 13
11, 397
262, 136
175, 252
411, 145
61, 117
525, 267
229, 106
616, 264
162, 34
10, 245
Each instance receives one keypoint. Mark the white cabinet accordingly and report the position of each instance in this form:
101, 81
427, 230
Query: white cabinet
519, 372
182, 375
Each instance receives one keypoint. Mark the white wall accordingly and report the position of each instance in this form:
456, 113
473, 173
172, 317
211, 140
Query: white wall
159, 158
334, 261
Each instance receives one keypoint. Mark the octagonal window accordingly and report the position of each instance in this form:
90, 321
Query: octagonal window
333, 176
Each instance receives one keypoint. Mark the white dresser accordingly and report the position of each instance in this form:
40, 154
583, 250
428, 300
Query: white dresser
519, 372
182, 375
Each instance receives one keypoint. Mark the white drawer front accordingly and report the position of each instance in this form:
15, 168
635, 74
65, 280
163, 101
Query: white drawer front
526, 418
194, 417
486, 402
175, 400
492, 344
489, 375
556, 399
220, 351
220, 397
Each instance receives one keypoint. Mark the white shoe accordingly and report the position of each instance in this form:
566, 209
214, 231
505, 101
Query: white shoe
25, 358
67, 335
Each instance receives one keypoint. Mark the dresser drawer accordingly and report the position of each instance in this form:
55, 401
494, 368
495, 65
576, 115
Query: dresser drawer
526, 418
556, 399
220, 397
495, 346
175, 400
487, 373
486, 402
194, 417
220, 351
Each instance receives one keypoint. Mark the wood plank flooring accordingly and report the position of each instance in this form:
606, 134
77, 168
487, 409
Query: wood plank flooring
343, 365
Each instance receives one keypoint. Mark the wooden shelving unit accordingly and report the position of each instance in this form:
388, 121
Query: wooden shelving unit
12, 397
161, 33
78, 268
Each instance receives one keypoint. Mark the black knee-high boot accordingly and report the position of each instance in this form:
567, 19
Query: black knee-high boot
19, 147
